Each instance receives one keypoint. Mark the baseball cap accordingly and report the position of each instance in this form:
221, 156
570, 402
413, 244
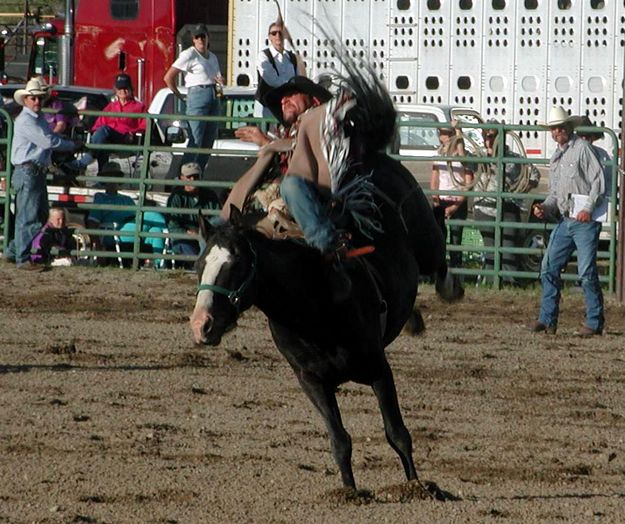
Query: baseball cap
122, 81
199, 29
191, 169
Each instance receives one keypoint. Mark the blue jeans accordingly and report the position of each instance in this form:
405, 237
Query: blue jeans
102, 135
201, 101
31, 210
304, 202
569, 235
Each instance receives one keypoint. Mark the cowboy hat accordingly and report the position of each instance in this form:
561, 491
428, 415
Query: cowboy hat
297, 84
584, 121
558, 116
34, 87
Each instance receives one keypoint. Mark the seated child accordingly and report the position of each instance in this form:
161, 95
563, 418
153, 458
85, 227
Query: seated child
54, 242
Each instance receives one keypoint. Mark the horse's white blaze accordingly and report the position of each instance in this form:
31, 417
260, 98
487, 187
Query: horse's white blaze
215, 259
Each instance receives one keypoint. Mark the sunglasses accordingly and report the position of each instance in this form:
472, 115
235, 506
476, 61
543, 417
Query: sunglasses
274, 33
200, 36
35, 97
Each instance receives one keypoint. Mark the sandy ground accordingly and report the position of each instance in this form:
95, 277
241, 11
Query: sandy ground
108, 413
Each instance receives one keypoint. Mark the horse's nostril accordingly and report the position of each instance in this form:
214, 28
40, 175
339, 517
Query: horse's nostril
207, 327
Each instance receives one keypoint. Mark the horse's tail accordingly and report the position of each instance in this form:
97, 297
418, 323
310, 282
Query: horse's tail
372, 119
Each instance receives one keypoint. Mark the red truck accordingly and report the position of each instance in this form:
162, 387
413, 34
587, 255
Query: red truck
98, 39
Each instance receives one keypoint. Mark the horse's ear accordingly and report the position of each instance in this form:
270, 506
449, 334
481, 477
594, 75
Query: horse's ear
205, 226
236, 217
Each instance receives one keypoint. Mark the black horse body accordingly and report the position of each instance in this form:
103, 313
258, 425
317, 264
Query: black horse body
328, 343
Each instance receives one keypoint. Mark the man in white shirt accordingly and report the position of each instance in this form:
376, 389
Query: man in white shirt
276, 66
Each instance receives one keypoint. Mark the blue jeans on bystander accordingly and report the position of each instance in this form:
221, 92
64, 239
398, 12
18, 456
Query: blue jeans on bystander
570, 235
102, 135
31, 210
201, 101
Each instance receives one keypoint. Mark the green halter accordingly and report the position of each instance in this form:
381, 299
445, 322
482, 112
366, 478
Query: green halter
234, 296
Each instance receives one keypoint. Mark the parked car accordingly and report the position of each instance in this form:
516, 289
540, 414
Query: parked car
232, 156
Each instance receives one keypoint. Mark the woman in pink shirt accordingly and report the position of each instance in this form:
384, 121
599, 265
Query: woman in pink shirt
115, 129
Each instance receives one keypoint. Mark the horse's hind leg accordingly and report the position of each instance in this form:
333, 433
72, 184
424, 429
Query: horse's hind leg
396, 433
324, 399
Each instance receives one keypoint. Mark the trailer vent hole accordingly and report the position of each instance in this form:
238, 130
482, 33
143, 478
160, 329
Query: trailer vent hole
432, 82
401, 82
243, 80
464, 82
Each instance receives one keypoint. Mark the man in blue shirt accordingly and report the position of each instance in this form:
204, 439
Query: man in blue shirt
31, 151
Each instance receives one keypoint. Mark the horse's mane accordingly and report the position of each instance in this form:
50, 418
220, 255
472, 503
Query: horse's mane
372, 120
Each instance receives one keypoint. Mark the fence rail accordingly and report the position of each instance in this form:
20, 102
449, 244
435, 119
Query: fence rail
473, 248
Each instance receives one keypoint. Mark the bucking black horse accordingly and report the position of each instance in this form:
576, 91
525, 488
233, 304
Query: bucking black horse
327, 342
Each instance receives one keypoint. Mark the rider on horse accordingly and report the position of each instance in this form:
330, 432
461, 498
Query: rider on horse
257, 189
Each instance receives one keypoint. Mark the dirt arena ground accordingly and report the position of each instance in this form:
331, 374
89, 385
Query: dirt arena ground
108, 413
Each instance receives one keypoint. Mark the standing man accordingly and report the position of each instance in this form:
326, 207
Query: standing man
202, 77
574, 171
31, 151
115, 129
275, 66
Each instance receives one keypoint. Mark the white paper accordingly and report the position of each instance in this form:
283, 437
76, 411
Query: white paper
599, 214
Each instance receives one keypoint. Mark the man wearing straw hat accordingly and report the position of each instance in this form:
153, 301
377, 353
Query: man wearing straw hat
576, 180
31, 151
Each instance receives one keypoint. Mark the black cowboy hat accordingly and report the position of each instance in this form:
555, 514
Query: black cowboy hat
297, 84
586, 122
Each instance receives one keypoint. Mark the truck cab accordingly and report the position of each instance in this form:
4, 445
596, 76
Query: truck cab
139, 37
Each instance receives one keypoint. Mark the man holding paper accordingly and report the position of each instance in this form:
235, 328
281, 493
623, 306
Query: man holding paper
575, 177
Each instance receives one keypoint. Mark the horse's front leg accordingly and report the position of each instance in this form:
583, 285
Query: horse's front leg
396, 433
324, 398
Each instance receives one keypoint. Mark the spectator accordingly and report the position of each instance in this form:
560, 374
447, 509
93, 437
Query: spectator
451, 175
573, 171
60, 122
114, 129
54, 236
202, 78
275, 66
152, 222
110, 218
516, 178
188, 197
31, 151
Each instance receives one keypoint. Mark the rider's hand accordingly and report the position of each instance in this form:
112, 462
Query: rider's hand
252, 134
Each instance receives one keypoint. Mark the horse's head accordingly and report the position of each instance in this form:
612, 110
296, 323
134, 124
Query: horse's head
225, 270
